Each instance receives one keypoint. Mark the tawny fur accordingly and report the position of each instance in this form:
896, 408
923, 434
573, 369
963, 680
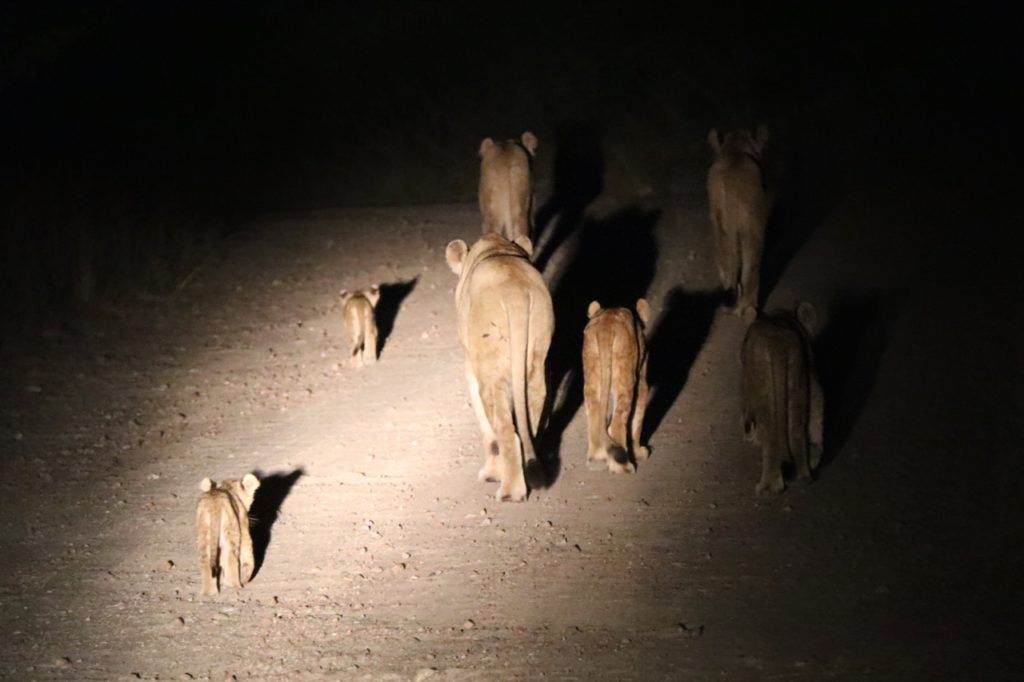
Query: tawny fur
506, 189
782, 402
739, 211
222, 532
505, 321
615, 384
361, 324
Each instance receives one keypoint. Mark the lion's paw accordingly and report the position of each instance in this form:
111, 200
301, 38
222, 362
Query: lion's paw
774, 486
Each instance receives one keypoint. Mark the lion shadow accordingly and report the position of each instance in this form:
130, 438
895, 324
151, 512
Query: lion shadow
847, 354
266, 505
577, 179
614, 263
803, 172
672, 346
391, 297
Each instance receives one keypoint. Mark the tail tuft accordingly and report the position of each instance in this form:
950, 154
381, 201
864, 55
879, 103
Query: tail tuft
618, 454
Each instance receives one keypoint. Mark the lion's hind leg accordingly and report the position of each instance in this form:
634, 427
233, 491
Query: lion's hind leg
640, 451
208, 552
230, 573
490, 470
622, 403
513, 479
816, 425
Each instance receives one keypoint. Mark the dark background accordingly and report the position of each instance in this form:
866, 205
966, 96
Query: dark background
135, 134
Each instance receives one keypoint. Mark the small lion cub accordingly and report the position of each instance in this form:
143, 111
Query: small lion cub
222, 529
782, 401
615, 383
361, 324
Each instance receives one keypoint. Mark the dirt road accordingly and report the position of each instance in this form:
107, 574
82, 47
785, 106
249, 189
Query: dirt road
386, 559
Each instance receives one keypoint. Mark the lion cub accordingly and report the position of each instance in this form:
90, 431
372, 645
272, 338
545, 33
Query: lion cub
783, 405
506, 190
739, 211
615, 383
361, 324
222, 529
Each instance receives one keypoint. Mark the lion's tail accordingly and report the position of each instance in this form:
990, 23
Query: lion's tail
518, 346
606, 401
779, 373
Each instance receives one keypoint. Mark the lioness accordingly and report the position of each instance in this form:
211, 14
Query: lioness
739, 211
782, 401
505, 320
506, 191
222, 530
615, 383
362, 327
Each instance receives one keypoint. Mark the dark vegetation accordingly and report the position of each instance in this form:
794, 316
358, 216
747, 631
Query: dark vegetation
135, 134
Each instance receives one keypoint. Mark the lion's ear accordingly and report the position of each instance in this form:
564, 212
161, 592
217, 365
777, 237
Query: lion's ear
714, 139
807, 316
593, 309
455, 254
345, 295
486, 145
523, 242
529, 141
250, 483
373, 295
206, 485
643, 310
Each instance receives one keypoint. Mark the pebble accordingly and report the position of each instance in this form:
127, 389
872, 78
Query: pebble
469, 624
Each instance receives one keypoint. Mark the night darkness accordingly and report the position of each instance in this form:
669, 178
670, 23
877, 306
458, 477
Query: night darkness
185, 187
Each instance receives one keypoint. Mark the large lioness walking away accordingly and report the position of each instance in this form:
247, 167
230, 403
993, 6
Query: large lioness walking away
222, 531
615, 384
358, 309
739, 211
506, 186
782, 402
505, 321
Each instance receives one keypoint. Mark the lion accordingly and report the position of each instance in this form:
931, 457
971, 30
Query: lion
362, 327
505, 322
782, 401
739, 211
506, 190
615, 384
222, 529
